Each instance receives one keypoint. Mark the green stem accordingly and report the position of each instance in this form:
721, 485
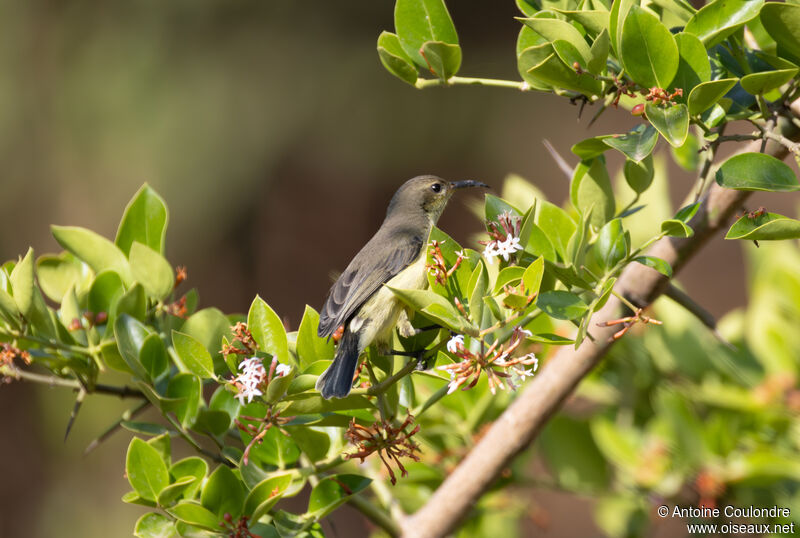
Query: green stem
189, 439
383, 406
53, 381
429, 82
374, 514
55, 344
625, 301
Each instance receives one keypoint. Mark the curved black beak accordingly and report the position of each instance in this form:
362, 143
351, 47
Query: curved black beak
467, 183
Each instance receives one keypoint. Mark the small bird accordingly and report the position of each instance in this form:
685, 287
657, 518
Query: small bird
395, 256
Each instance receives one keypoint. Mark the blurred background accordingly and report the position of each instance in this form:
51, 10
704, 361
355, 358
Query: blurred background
276, 138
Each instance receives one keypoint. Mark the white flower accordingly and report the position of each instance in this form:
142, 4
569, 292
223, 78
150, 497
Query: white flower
491, 252
252, 375
282, 369
247, 392
509, 246
453, 385
452, 344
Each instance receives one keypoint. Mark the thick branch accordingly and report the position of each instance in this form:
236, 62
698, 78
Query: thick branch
523, 420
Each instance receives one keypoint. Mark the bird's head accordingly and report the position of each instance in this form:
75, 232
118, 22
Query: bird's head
427, 195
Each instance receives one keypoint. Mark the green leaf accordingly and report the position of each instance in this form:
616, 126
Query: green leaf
153, 356
310, 347
333, 491
434, 306
766, 227
655, 263
153, 525
395, 59
591, 147
192, 466
612, 244
208, 326
152, 270
693, 64
717, 20
223, 493
557, 225
265, 494
595, 21
267, 330
636, 144
145, 469
756, 172
443, 59
510, 276
144, 220
619, 12
554, 29
195, 514
782, 22
494, 206
591, 189
98, 252
194, 357
649, 52
106, 290
143, 428
766, 81
706, 94
309, 404
57, 273
133, 302
175, 490
553, 71
184, 397
533, 239
561, 304
22, 284
532, 277
672, 122
599, 52
314, 442
130, 335
676, 228
639, 176
419, 21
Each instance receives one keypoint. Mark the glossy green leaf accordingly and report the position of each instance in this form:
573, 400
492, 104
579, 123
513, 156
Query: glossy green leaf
208, 326
133, 302
756, 172
494, 206
153, 356
676, 228
152, 270
193, 466
333, 491
130, 335
555, 29
144, 220
184, 397
268, 330
671, 121
553, 71
223, 493
529, 58
591, 147
595, 21
599, 53
635, 144
534, 241
532, 277
706, 94
561, 304
782, 22
145, 469
655, 263
639, 176
649, 52
443, 59
98, 252
310, 347
717, 20
556, 224
153, 525
419, 21
57, 273
509, 276
766, 81
104, 293
619, 12
309, 404
175, 490
591, 189
194, 357
766, 227
395, 59
8, 309
435, 306
195, 514
22, 283
265, 494
693, 64
612, 245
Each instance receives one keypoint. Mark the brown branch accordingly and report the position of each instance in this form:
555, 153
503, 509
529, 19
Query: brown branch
519, 425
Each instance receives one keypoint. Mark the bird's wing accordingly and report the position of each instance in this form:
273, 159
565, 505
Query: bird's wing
362, 278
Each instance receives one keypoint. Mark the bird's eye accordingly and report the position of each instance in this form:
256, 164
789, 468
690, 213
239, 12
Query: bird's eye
436, 187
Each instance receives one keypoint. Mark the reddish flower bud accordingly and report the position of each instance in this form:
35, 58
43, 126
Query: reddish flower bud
638, 110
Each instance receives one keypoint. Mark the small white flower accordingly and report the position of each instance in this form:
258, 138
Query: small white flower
508, 247
248, 393
452, 386
461, 254
282, 369
526, 332
491, 252
452, 344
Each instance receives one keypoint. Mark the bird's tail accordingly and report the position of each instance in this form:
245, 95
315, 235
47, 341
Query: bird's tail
337, 380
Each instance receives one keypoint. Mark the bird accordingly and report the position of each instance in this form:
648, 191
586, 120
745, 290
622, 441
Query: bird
395, 256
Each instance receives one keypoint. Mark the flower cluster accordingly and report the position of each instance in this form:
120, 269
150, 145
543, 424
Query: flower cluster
271, 418
237, 529
8, 353
253, 375
438, 269
505, 237
495, 362
243, 337
383, 437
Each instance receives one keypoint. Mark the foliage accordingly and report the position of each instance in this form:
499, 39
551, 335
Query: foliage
674, 409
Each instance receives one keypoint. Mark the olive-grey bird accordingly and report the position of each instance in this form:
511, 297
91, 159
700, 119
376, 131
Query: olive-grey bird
395, 256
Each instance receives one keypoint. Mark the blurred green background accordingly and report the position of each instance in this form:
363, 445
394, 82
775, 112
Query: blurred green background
276, 138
